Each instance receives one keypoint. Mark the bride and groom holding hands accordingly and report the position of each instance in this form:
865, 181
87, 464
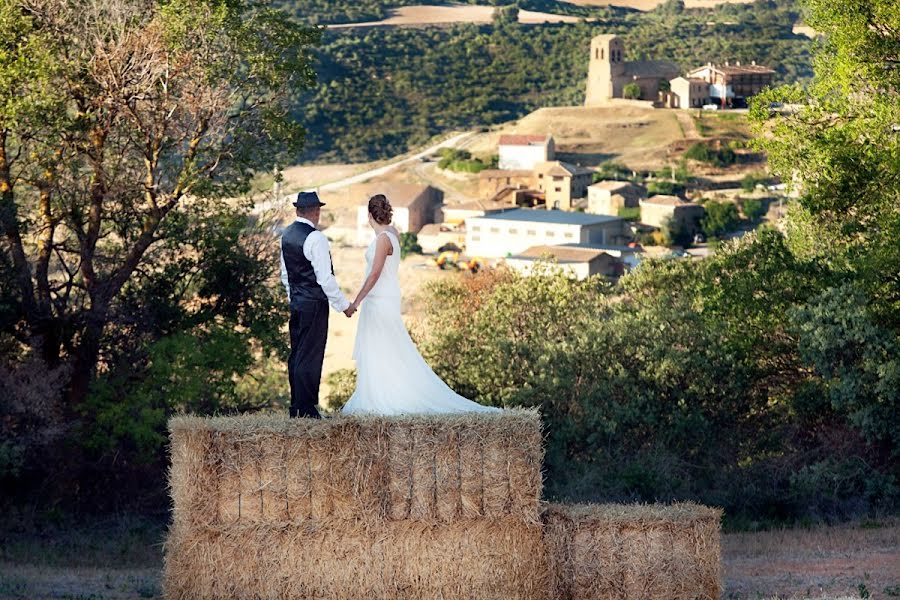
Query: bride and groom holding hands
392, 378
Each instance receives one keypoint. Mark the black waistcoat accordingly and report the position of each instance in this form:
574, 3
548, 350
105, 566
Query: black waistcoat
301, 275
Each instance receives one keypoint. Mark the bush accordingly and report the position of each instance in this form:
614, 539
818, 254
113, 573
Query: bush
750, 181
341, 385
666, 188
637, 382
721, 217
704, 153
409, 244
753, 209
630, 213
632, 91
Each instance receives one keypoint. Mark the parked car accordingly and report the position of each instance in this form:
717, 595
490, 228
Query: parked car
710, 107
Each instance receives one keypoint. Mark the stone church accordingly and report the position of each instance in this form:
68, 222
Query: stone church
608, 73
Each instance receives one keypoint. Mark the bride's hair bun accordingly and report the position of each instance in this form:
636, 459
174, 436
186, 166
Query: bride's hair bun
380, 209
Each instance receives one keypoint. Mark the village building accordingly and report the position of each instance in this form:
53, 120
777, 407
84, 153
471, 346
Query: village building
609, 73
523, 152
561, 183
494, 184
414, 206
456, 214
661, 211
577, 261
732, 85
511, 232
435, 236
688, 92
609, 197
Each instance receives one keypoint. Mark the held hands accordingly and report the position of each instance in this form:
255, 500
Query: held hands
351, 309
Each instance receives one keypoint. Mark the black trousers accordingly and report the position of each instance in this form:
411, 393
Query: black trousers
309, 331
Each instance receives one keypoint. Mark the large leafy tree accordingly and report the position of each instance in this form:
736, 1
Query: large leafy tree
120, 121
838, 142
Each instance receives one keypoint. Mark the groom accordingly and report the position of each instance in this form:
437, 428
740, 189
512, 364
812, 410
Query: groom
308, 277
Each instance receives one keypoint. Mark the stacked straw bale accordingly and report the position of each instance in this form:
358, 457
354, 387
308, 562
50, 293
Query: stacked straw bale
379, 507
619, 552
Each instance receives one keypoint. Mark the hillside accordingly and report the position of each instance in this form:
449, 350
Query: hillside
384, 90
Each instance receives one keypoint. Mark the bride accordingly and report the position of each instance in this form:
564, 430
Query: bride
392, 378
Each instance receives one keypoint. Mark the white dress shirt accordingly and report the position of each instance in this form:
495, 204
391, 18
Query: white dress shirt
317, 251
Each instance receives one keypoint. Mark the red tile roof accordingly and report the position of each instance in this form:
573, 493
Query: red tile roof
523, 140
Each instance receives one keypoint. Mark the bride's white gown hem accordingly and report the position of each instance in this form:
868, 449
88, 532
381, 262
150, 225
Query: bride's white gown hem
392, 378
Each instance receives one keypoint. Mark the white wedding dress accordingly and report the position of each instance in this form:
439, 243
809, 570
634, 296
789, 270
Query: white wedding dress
392, 378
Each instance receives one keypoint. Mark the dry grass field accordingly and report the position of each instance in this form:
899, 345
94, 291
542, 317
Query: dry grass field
124, 562
651, 4
413, 16
636, 136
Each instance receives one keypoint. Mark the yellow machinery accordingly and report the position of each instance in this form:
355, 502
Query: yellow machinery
451, 260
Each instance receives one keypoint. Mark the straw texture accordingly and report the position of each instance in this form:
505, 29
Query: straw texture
274, 470
612, 551
483, 559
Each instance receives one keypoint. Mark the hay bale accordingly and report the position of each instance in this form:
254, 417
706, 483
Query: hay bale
486, 559
628, 552
432, 468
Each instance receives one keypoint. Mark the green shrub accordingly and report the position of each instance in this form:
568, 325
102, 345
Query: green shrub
704, 153
721, 217
341, 385
630, 213
753, 209
409, 244
632, 91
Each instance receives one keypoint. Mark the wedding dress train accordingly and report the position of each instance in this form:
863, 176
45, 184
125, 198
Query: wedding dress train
392, 378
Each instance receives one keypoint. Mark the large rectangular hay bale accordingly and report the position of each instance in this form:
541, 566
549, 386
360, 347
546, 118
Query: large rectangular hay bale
274, 470
631, 552
393, 560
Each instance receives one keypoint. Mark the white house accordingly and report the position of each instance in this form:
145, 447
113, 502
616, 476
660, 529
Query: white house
576, 261
524, 152
512, 232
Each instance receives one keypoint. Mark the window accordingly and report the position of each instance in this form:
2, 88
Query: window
550, 233
601, 54
532, 232
495, 230
540, 175
569, 235
476, 228
513, 231
558, 189
476, 238
557, 178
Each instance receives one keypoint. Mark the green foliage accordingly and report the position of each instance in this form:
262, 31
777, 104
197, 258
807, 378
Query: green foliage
839, 148
632, 91
858, 361
720, 218
703, 152
341, 385
409, 244
753, 209
676, 234
750, 181
385, 90
630, 213
666, 188
613, 170
462, 161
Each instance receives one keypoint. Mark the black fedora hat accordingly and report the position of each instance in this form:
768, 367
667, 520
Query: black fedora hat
308, 200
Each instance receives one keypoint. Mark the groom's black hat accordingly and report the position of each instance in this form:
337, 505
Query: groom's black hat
308, 200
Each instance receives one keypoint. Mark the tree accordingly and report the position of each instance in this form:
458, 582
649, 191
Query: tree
409, 244
632, 91
753, 209
720, 217
116, 120
839, 147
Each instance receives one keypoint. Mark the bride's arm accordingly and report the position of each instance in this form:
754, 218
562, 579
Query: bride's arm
383, 247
